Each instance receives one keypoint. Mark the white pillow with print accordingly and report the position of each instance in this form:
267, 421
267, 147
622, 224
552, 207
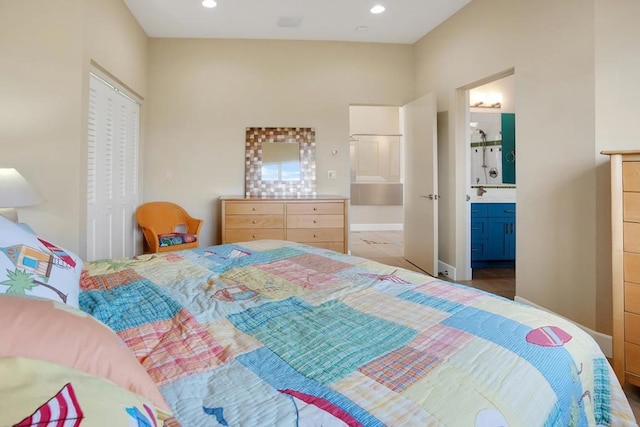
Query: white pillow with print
31, 266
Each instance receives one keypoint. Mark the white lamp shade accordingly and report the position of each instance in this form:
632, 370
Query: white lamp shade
16, 191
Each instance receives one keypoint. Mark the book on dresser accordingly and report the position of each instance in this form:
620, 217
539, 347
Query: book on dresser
320, 221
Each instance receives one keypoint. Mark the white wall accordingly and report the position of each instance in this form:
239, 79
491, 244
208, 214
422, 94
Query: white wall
202, 94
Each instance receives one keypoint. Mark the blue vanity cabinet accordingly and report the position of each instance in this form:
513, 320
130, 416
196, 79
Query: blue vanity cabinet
479, 231
493, 234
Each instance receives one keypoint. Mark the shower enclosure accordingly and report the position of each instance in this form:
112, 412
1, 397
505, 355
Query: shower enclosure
492, 150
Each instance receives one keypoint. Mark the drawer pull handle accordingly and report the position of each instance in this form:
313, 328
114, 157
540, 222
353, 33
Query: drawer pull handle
314, 221
509, 211
314, 236
474, 228
253, 209
253, 222
315, 209
474, 250
253, 236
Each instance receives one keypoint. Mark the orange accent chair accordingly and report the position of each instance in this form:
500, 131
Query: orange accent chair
160, 221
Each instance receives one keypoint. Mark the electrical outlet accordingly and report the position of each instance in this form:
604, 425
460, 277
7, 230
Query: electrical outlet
445, 273
331, 174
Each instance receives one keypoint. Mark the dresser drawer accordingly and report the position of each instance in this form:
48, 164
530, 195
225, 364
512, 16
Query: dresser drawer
307, 235
501, 210
631, 206
631, 237
479, 228
333, 246
631, 267
254, 221
632, 328
245, 235
632, 358
631, 176
478, 210
632, 297
264, 208
315, 221
315, 208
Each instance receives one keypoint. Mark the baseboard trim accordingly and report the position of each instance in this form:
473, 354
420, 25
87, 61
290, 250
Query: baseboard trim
447, 270
377, 227
605, 342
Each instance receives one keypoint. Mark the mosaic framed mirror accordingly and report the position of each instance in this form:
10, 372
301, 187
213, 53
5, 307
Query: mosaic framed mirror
280, 162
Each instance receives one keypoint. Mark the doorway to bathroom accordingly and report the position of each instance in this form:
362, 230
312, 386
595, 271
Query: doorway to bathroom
491, 183
376, 169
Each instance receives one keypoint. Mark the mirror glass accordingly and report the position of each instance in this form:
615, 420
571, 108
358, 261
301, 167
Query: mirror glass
280, 161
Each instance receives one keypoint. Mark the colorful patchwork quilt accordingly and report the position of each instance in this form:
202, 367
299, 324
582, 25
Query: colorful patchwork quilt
272, 333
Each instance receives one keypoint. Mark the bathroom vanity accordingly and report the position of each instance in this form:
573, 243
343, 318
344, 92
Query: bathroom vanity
493, 235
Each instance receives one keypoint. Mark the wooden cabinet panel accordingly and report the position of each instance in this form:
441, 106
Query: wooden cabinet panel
315, 208
632, 297
235, 208
244, 235
305, 235
632, 328
315, 221
631, 176
254, 221
632, 358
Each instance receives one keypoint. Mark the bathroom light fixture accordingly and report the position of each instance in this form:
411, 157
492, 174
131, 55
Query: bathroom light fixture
482, 100
209, 3
377, 9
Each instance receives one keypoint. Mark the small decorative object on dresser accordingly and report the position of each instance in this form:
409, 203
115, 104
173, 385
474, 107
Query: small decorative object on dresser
319, 221
625, 236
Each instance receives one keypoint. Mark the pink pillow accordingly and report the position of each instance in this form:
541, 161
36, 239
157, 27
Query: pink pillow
51, 331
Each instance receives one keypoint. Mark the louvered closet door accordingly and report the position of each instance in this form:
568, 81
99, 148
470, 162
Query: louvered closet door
112, 170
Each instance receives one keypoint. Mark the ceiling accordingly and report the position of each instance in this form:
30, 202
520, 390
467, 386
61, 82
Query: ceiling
404, 21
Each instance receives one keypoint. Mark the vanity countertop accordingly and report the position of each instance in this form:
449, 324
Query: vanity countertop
492, 194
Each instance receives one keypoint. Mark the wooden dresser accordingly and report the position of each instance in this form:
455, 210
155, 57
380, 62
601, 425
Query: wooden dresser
625, 218
320, 221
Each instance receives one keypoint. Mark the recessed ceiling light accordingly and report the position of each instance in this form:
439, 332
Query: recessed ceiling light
377, 8
209, 3
362, 28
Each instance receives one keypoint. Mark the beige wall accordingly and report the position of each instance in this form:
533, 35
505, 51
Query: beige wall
202, 94
45, 49
41, 56
563, 259
617, 91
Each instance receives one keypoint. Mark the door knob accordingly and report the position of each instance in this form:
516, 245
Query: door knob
431, 197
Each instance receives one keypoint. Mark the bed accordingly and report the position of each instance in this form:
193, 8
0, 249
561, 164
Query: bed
273, 333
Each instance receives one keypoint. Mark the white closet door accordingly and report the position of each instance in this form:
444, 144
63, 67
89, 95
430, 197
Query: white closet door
112, 171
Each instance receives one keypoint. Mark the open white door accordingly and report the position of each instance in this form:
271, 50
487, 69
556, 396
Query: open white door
421, 183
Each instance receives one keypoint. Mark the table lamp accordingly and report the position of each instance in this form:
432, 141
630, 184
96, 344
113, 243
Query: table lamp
16, 192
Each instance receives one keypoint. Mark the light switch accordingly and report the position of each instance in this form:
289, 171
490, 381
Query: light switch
331, 174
